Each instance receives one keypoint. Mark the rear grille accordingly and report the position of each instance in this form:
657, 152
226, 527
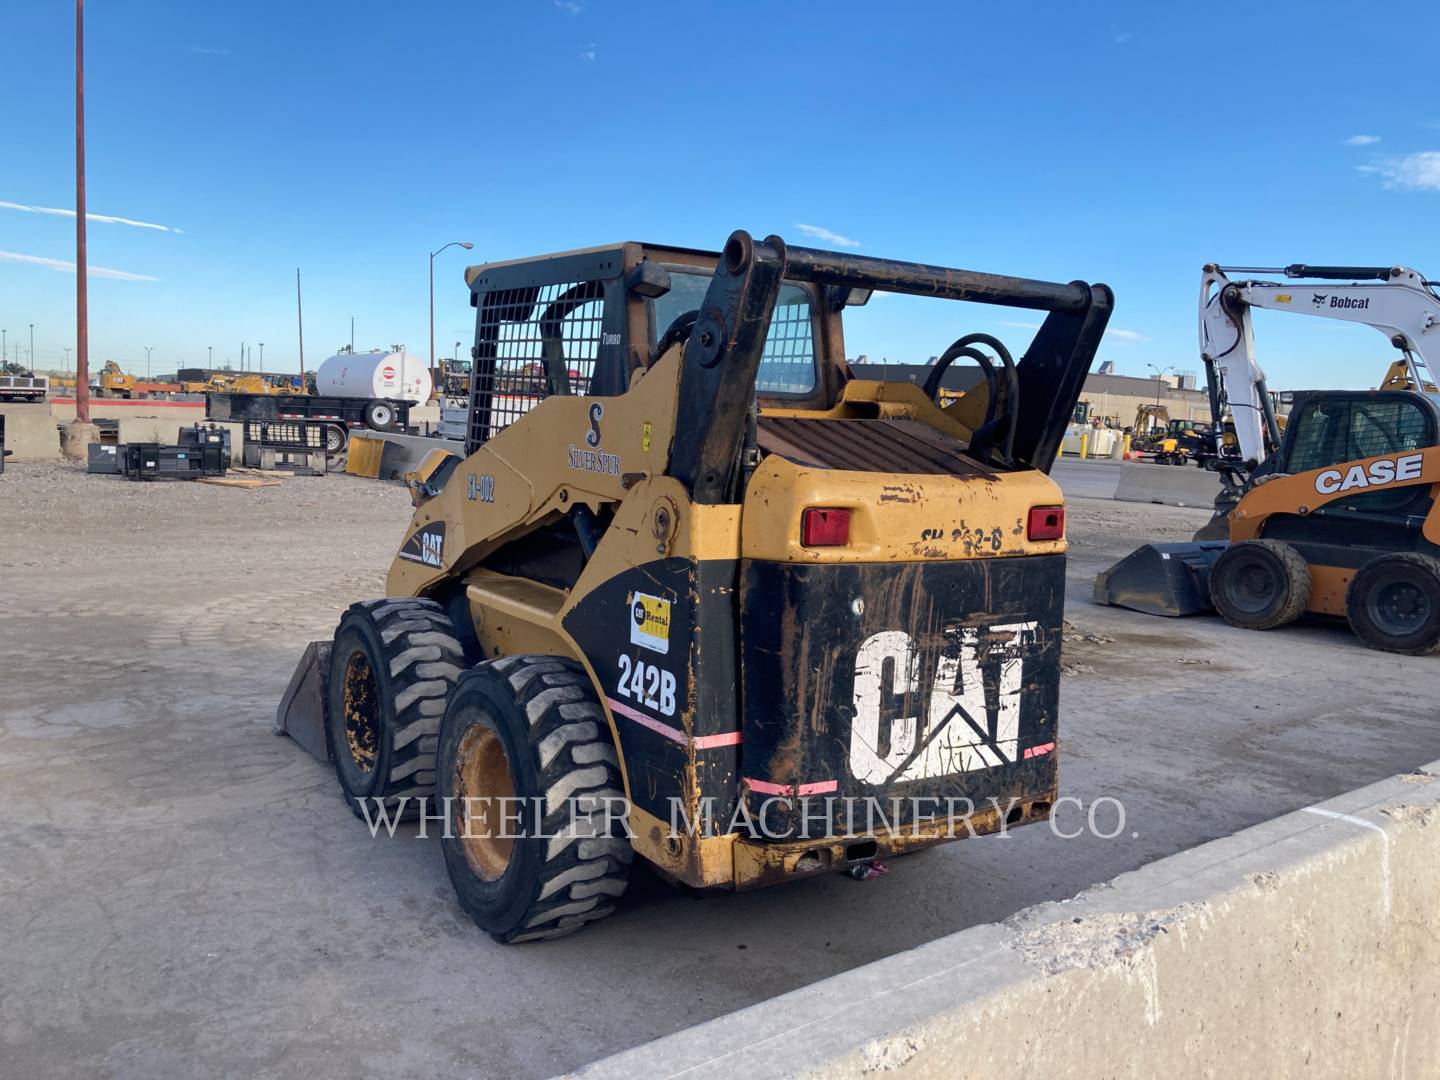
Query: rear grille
899, 446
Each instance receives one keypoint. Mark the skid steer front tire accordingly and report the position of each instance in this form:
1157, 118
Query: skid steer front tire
1260, 584
528, 781
392, 667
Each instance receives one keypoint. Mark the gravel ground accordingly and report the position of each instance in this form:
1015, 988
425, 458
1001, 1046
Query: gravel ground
182, 894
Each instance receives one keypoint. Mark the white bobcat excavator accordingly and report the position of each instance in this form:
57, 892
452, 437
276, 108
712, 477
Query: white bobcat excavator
1396, 301
1340, 516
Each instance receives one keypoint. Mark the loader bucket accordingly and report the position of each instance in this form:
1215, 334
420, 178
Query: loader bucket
1161, 579
301, 714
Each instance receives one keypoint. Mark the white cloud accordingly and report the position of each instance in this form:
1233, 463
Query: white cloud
1021, 325
587, 51
819, 232
201, 50
1123, 37
69, 267
107, 219
1414, 172
1362, 140
570, 7
1127, 335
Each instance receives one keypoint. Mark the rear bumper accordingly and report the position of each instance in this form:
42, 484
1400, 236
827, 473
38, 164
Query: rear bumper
920, 689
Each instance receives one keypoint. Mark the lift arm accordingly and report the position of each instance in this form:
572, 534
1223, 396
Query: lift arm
1396, 301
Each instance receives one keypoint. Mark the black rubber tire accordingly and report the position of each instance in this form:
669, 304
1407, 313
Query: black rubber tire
379, 415
335, 439
1260, 584
1393, 603
559, 755
387, 751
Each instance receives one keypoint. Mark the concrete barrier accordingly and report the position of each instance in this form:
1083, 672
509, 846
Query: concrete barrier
1172, 485
1302, 946
180, 412
31, 434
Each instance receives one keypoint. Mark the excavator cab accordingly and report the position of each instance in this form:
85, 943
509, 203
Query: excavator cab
787, 620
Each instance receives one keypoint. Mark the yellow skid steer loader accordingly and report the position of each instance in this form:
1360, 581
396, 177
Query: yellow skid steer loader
698, 594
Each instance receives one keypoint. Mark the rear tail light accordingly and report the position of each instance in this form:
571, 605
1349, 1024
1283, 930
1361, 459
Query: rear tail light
824, 526
1046, 523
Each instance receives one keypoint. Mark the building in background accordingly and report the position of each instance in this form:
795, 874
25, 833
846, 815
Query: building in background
1107, 396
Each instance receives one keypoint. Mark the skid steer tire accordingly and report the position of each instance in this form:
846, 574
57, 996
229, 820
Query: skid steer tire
1393, 603
1260, 584
525, 752
392, 667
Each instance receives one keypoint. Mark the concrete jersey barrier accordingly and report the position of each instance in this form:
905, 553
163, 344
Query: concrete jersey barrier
1172, 485
1301, 946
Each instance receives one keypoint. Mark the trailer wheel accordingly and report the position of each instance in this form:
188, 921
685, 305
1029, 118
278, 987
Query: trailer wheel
527, 777
1393, 603
391, 669
379, 415
335, 439
1260, 584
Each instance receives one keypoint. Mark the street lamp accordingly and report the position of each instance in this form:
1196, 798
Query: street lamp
147, 360
32, 348
262, 357
1159, 378
66, 369
210, 351
457, 352
453, 243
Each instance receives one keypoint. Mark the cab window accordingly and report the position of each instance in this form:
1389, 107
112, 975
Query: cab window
787, 365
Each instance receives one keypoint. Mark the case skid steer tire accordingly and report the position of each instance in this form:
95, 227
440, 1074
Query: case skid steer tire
392, 667
1260, 584
1393, 603
527, 778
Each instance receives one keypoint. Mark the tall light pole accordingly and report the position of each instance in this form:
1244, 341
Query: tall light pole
352, 333
147, 360
4, 348
66, 369
210, 354
1159, 378
82, 296
300, 325
457, 352
453, 243
262, 357
32, 348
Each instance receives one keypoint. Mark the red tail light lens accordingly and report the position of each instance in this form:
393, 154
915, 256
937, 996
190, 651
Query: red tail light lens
1046, 523
823, 526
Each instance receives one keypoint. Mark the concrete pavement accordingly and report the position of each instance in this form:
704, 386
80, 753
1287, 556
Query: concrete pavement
185, 895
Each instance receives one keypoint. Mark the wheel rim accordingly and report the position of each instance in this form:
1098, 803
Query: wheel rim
333, 440
1399, 607
362, 711
380, 416
483, 784
1253, 588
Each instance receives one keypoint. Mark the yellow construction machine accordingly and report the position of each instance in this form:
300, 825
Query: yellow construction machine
1333, 513
696, 594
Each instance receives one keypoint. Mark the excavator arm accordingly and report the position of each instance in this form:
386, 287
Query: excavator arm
1396, 301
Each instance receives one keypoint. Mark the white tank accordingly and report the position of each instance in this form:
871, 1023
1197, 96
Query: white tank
376, 374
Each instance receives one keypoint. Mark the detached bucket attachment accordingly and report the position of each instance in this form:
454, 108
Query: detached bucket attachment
1162, 579
302, 710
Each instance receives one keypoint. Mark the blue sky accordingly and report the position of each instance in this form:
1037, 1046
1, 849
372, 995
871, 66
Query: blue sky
1127, 143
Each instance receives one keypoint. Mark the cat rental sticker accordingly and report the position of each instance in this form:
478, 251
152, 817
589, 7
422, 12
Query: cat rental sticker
650, 622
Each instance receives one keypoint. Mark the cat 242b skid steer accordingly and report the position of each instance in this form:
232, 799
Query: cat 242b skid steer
695, 593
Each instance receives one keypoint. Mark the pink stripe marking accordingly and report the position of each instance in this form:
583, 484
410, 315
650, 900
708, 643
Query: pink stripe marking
674, 734
1039, 751
820, 787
